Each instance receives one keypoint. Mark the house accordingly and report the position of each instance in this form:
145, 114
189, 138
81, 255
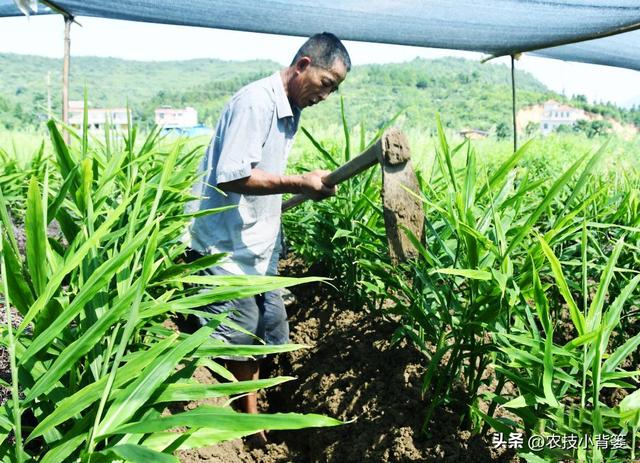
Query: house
98, 117
473, 134
167, 117
555, 114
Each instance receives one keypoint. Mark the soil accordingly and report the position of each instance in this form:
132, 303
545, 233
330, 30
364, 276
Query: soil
350, 371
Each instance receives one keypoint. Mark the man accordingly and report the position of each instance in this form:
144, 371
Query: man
246, 160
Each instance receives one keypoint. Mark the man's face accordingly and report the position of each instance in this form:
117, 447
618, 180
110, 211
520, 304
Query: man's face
313, 84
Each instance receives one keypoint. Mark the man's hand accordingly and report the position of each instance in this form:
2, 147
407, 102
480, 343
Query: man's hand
312, 185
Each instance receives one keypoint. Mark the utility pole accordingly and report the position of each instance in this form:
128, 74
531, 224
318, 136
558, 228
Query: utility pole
49, 115
513, 102
68, 19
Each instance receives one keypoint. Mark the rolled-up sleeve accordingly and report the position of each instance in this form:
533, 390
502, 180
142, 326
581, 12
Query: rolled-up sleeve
247, 125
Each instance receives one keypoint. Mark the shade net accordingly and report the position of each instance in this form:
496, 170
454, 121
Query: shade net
494, 27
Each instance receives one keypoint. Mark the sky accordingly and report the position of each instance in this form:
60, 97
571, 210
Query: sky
43, 35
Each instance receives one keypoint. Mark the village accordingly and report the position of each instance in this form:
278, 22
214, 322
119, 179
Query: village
174, 121
542, 119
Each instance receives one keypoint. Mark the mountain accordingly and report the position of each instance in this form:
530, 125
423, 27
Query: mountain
466, 93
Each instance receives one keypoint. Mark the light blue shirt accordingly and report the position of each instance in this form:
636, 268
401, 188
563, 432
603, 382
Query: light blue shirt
256, 130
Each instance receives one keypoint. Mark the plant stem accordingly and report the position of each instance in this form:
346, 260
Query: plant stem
494, 404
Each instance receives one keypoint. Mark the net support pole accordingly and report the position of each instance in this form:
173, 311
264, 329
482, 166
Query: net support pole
65, 74
513, 104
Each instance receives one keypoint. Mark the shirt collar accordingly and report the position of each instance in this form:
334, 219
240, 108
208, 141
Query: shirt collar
283, 107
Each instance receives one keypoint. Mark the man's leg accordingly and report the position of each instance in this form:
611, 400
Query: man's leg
248, 370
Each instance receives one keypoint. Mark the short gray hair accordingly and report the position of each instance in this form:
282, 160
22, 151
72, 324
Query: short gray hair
324, 49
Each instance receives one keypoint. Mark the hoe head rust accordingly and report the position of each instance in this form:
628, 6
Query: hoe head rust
402, 211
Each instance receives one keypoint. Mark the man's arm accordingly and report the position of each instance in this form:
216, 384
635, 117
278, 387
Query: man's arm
265, 183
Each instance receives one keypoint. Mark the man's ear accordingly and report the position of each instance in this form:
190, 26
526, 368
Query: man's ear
303, 63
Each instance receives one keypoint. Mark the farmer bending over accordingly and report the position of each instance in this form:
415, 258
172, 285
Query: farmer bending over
246, 159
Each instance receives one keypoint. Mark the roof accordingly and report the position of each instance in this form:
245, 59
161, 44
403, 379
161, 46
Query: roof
495, 27
561, 107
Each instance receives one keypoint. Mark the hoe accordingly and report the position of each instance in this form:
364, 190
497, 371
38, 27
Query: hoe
402, 210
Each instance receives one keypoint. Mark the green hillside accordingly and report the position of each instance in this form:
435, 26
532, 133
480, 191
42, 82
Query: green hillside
466, 93
110, 82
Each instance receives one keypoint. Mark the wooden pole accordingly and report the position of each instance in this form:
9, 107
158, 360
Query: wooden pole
65, 74
49, 114
513, 104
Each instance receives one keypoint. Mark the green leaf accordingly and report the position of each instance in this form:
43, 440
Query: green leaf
444, 151
79, 347
533, 458
467, 273
496, 424
76, 403
543, 205
86, 179
226, 419
547, 377
138, 392
65, 161
504, 169
620, 354
215, 348
98, 280
612, 315
541, 302
341, 234
526, 400
468, 189
136, 454
320, 148
584, 178
576, 316
189, 268
54, 207
179, 392
63, 450
581, 340
36, 237
253, 285
345, 130
21, 294
71, 262
8, 225
595, 309
631, 403
68, 226
434, 364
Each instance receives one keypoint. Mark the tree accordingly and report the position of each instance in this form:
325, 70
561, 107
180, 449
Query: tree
593, 128
532, 128
503, 130
581, 125
580, 98
563, 128
599, 127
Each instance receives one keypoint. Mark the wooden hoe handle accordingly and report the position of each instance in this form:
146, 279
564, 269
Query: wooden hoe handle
346, 171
